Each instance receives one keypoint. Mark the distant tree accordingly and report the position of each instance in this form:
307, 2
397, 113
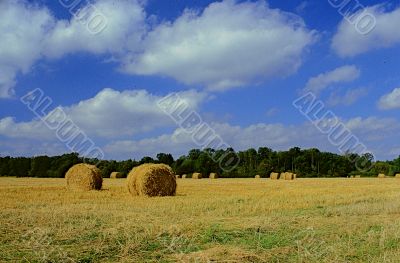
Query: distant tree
165, 158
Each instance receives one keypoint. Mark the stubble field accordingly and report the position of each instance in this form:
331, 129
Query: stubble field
224, 220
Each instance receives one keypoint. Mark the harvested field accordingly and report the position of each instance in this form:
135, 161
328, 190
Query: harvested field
225, 220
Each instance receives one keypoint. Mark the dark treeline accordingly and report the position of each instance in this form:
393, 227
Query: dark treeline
306, 163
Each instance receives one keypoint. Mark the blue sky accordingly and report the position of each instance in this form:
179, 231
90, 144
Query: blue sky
239, 64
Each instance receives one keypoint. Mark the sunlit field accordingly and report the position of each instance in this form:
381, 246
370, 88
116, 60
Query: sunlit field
224, 220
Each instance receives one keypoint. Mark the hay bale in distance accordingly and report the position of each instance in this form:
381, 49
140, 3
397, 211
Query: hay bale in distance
294, 176
282, 176
289, 176
397, 176
184, 176
381, 175
358, 176
116, 175
152, 180
197, 176
274, 176
177, 176
257, 176
84, 177
213, 176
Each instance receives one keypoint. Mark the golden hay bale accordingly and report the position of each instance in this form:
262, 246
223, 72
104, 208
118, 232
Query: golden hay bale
84, 177
295, 176
152, 180
213, 176
184, 176
197, 176
289, 176
177, 176
282, 176
358, 176
274, 176
257, 176
381, 176
397, 176
116, 175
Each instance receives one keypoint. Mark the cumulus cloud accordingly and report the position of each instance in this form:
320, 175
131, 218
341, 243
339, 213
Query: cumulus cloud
227, 45
109, 114
349, 98
120, 24
275, 135
22, 40
40, 35
342, 74
348, 42
390, 100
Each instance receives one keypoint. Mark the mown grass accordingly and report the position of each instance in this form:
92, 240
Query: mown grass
224, 220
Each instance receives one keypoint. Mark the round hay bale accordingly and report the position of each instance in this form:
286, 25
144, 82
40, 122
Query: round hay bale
177, 176
184, 176
213, 176
289, 176
152, 180
84, 177
358, 176
397, 176
274, 176
294, 176
257, 176
197, 176
381, 176
116, 175
282, 176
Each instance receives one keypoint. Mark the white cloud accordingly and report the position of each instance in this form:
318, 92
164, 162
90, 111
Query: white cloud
276, 136
109, 114
348, 42
390, 100
349, 98
343, 74
23, 30
227, 45
124, 25
30, 32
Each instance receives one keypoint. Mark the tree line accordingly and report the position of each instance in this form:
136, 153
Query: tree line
303, 162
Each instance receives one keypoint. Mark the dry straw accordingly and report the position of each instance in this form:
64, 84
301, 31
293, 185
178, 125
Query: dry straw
152, 180
116, 175
358, 176
214, 176
184, 176
257, 176
289, 176
282, 176
197, 176
381, 176
177, 176
84, 177
397, 176
274, 176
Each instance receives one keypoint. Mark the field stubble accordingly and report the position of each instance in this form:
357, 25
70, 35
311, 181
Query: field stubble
224, 220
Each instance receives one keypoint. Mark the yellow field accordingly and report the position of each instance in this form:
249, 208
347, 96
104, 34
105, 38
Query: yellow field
224, 220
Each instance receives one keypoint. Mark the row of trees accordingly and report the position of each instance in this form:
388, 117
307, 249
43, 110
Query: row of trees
228, 163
